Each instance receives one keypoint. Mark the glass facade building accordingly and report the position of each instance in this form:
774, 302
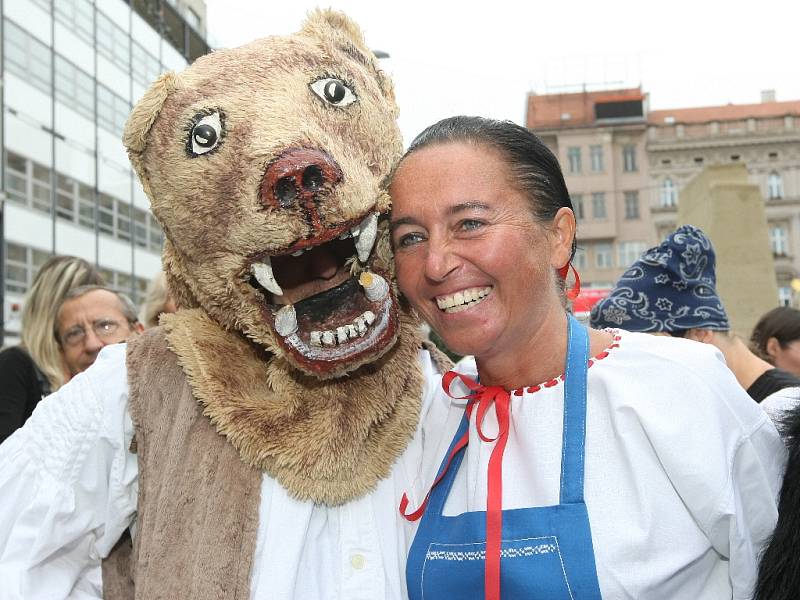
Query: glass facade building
71, 71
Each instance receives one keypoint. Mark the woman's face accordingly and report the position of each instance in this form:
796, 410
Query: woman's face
786, 358
470, 256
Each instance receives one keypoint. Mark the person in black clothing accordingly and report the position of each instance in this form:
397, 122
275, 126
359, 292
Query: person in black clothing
22, 388
35, 367
771, 381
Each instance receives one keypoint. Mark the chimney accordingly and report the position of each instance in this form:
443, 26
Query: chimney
767, 96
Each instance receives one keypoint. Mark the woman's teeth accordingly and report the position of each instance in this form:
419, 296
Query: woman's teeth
462, 300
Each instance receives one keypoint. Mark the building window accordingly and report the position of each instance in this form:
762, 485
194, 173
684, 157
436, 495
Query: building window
603, 256
596, 153
629, 252
28, 183
156, 235
40, 188
27, 57
629, 158
599, 205
784, 296
774, 186
133, 287
579, 260
22, 263
574, 158
77, 16
113, 42
192, 18
86, 212
74, 88
65, 197
123, 220
105, 215
779, 239
669, 195
577, 206
112, 110
145, 67
632, 205
17, 178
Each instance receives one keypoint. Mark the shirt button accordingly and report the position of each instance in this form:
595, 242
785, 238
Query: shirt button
357, 561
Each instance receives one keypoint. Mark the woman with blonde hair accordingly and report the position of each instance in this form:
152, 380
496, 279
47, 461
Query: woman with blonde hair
34, 369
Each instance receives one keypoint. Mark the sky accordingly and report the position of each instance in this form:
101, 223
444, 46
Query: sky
483, 58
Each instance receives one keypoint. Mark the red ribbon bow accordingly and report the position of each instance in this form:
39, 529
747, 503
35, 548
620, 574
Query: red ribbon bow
483, 397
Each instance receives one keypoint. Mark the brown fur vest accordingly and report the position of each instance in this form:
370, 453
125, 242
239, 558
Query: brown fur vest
198, 502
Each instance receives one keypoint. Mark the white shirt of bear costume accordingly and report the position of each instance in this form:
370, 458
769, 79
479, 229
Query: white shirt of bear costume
68, 490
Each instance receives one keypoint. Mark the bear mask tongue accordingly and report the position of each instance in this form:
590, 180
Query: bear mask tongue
331, 307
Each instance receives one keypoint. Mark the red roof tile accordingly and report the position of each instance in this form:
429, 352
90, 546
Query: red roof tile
546, 111
728, 112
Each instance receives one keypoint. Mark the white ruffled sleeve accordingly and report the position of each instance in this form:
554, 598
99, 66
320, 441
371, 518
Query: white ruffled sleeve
68, 486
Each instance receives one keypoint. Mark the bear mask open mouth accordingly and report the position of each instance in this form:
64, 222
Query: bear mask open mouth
330, 310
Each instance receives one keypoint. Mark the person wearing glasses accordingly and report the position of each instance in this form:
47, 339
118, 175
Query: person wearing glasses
89, 318
35, 368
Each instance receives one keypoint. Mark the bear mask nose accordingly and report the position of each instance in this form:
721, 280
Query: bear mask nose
299, 177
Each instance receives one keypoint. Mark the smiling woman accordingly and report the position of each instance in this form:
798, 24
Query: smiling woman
553, 480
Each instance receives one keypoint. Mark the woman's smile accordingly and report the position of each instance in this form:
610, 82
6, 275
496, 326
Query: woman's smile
463, 300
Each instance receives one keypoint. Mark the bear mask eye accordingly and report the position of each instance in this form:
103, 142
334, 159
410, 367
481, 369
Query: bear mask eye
333, 91
206, 134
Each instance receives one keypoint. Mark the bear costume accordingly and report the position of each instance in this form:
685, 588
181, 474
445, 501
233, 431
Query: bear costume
257, 442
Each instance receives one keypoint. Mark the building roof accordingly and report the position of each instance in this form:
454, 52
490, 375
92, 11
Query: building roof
728, 112
549, 111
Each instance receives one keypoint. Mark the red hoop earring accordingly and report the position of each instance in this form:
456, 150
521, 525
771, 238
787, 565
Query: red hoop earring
575, 290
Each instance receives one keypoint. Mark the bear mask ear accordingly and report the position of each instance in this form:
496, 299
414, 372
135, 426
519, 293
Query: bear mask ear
144, 115
322, 23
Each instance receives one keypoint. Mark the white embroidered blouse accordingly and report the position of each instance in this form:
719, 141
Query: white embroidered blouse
682, 469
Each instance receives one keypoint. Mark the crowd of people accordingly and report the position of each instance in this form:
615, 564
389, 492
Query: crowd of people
69, 314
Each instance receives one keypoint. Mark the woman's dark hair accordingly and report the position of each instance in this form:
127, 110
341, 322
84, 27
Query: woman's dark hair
782, 323
534, 168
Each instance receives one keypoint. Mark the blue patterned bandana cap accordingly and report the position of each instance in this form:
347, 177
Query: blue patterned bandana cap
671, 287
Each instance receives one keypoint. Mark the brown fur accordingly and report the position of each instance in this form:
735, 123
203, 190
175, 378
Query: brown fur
325, 440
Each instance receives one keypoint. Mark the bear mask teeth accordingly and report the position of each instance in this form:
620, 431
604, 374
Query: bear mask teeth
365, 234
262, 271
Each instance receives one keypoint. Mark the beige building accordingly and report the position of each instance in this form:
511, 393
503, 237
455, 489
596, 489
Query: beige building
600, 140
765, 137
645, 160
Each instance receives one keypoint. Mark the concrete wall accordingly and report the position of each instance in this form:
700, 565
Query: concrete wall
730, 210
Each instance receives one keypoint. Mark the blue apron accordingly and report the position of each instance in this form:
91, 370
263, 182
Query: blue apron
546, 551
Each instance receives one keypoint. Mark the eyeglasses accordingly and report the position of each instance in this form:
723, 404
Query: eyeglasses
102, 328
